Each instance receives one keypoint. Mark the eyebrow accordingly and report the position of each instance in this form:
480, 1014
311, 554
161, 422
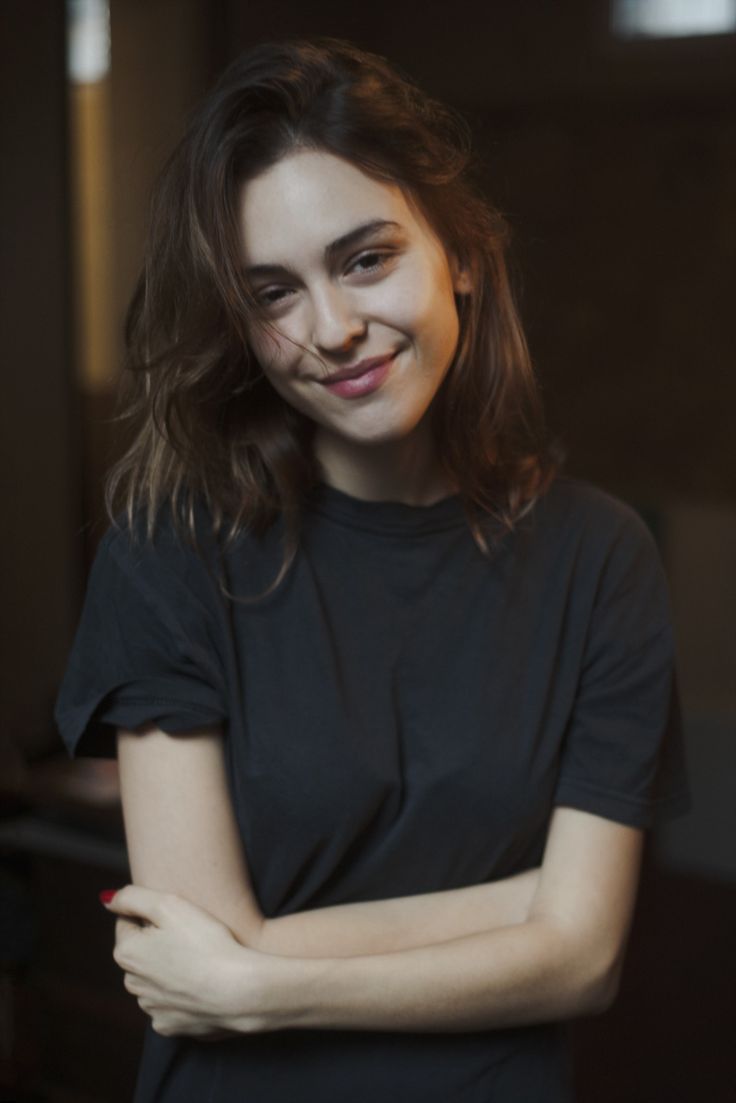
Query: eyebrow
339, 245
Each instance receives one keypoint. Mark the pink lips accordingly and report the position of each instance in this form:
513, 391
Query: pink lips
360, 380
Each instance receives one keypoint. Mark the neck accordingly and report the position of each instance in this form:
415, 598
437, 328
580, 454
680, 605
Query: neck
406, 470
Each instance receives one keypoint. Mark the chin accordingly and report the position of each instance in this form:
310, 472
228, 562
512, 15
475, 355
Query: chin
382, 435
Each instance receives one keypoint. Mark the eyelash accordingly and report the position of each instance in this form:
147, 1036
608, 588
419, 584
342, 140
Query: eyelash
381, 258
275, 296
265, 299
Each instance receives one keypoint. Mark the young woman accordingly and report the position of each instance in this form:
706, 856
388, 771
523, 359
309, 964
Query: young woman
393, 700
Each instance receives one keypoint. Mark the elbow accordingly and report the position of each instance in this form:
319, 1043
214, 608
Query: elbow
587, 973
598, 996
599, 988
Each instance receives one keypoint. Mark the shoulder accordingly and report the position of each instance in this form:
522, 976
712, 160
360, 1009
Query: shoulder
171, 540
586, 540
583, 516
169, 566
575, 501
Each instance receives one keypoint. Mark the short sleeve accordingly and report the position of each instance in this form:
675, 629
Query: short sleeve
623, 755
145, 649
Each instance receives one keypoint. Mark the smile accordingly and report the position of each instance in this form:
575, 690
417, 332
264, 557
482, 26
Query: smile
360, 380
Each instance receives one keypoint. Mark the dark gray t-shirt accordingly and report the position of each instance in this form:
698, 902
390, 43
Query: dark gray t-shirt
401, 716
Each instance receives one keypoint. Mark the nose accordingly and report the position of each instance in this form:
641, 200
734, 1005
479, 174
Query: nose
336, 321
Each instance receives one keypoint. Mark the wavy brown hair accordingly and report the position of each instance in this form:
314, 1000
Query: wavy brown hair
207, 424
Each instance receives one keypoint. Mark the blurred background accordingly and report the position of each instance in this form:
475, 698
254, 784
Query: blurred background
607, 133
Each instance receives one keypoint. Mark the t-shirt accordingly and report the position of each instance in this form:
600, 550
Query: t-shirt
400, 716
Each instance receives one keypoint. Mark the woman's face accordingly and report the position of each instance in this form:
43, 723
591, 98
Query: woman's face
349, 276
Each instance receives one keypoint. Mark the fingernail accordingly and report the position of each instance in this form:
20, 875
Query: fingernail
106, 895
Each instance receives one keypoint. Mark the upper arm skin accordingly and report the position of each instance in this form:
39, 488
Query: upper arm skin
587, 889
180, 825
183, 838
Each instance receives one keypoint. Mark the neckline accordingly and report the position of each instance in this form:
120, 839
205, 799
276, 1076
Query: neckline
392, 517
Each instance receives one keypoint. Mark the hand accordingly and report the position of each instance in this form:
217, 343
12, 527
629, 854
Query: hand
181, 964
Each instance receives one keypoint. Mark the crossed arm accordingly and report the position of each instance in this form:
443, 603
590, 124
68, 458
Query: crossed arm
544, 945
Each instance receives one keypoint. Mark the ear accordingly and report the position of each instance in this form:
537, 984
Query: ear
461, 281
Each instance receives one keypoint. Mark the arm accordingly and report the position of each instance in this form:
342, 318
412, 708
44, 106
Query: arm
563, 960
402, 923
183, 839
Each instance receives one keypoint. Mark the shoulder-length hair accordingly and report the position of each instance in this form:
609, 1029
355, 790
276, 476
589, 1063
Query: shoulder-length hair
208, 425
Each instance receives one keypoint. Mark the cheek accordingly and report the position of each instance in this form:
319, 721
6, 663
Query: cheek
436, 323
424, 303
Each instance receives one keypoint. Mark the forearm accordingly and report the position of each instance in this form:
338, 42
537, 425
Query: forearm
533, 972
563, 959
386, 926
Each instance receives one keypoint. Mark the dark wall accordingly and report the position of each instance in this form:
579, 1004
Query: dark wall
496, 53
626, 234
40, 495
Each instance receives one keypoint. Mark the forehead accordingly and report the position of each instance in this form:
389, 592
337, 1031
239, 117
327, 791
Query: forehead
309, 199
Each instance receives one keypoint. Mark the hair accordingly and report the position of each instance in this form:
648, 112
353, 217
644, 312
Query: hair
207, 424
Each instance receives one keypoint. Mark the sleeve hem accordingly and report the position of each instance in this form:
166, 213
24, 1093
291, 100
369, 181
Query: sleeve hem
90, 731
620, 807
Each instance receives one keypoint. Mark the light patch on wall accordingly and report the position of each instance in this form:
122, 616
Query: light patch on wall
672, 18
88, 40
90, 192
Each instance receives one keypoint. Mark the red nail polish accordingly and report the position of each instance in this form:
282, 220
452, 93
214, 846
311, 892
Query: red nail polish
106, 895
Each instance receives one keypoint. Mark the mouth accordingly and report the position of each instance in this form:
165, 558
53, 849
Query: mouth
359, 369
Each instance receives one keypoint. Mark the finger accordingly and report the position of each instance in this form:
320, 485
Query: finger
132, 984
125, 929
125, 926
129, 945
136, 902
162, 1027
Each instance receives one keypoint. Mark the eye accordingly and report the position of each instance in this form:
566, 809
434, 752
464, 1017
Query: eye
369, 262
272, 296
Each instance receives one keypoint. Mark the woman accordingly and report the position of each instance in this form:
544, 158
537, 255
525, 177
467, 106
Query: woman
393, 700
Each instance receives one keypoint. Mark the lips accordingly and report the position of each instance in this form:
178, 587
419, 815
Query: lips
358, 369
